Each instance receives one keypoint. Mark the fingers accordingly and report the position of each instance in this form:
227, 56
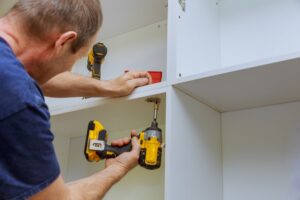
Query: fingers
124, 141
133, 133
135, 147
128, 160
138, 82
120, 142
139, 74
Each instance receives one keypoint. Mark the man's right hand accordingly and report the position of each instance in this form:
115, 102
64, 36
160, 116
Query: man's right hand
95, 186
126, 161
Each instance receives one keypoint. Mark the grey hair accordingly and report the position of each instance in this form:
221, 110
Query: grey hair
40, 17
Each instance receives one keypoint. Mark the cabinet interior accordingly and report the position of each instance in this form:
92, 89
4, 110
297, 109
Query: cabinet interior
119, 119
231, 33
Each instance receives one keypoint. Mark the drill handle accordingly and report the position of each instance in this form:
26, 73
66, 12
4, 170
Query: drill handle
112, 151
96, 71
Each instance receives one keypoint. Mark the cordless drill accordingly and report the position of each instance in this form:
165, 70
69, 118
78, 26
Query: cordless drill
95, 60
97, 148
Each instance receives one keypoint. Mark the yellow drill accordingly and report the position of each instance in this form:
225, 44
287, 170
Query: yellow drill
95, 60
97, 148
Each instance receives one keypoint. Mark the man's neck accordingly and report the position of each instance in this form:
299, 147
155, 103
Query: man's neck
26, 50
10, 35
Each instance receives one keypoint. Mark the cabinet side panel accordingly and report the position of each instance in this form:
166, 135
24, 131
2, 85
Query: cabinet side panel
193, 156
261, 153
171, 41
197, 40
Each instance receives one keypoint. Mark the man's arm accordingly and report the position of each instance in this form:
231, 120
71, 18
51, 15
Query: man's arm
68, 84
95, 186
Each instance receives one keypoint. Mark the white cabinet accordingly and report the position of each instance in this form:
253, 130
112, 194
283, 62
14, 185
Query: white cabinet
230, 109
230, 91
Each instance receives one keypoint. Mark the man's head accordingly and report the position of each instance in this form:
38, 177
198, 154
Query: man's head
43, 17
67, 27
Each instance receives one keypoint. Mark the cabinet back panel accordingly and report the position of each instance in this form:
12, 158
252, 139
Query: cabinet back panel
258, 29
141, 49
261, 153
197, 39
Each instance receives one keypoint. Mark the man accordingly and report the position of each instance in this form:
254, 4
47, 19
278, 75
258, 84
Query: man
39, 42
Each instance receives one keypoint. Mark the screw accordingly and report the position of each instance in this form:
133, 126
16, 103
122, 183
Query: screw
179, 74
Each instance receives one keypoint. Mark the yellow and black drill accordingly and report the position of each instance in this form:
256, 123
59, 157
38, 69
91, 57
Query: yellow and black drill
95, 60
96, 147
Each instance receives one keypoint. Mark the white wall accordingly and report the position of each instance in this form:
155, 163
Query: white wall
261, 153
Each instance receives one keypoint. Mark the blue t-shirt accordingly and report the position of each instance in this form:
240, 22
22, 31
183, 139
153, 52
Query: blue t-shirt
28, 163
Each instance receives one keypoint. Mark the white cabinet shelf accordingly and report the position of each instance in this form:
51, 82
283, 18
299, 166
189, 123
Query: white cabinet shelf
267, 82
61, 106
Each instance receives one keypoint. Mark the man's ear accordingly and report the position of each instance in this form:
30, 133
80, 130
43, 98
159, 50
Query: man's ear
65, 40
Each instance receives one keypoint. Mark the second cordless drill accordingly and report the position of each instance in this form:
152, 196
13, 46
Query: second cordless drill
95, 60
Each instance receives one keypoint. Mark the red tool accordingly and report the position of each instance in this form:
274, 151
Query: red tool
156, 76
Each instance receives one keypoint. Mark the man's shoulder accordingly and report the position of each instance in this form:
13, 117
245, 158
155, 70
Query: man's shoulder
17, 88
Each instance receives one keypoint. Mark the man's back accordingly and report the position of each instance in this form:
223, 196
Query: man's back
27, 159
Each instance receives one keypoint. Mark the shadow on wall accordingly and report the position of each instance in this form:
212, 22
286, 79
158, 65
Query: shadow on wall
294, 150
